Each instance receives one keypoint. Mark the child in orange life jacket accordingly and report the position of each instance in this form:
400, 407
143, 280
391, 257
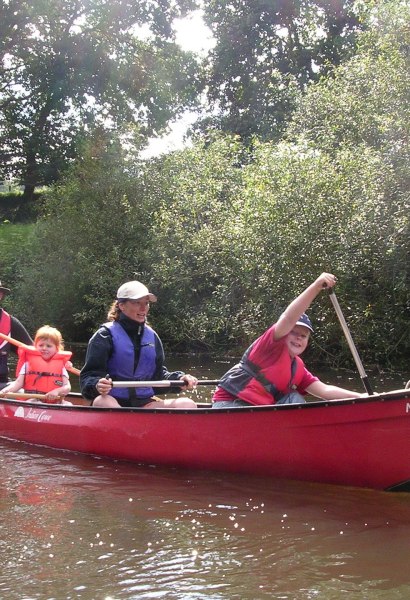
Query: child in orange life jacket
42, 368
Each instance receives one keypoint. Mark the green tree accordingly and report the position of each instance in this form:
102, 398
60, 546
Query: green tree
93, 235
363, 112
70, 65
226, 241
194, 247
266, 52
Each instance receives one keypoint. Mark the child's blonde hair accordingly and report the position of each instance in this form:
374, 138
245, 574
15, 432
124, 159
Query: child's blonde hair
50, 333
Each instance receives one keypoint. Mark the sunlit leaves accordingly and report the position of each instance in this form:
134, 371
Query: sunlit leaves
68, 67
266, 52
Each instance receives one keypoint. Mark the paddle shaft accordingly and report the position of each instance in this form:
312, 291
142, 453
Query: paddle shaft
22, 396
160, 384
11, 340
350, 342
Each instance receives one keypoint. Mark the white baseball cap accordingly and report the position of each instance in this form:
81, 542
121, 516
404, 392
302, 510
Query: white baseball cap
134, 290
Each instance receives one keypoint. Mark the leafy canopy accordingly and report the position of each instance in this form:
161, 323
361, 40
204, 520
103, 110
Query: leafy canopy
266, 52
68, 66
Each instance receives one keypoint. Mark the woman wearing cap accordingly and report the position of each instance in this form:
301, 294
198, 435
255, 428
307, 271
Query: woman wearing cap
271, 370
127, 348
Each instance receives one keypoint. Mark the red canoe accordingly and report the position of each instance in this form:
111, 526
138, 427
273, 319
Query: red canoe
363, 443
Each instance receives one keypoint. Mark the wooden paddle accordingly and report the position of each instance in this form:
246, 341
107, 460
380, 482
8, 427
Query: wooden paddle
22, 396
25, 396
352, 346
160, 384
21, 345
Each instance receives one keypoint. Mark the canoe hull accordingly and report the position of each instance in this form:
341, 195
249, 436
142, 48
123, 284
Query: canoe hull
363, 443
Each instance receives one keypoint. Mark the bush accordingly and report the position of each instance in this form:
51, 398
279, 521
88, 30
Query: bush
15, 208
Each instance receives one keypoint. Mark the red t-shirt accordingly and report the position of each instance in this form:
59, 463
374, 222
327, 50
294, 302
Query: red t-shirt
265, 352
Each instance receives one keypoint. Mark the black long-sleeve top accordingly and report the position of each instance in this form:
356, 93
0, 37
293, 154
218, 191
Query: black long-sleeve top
99, 351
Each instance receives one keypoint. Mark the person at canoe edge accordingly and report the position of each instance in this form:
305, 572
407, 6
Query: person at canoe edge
271, 370
11, 327
41, 368
128, 349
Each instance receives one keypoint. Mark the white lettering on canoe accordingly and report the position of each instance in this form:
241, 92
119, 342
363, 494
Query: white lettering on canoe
33, 414
407, 407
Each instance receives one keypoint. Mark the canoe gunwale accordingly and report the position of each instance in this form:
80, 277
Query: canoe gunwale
204, 408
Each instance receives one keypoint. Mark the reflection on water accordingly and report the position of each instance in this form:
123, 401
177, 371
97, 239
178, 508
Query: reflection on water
80, 527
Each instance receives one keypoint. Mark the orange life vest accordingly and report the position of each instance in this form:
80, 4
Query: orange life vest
42, 376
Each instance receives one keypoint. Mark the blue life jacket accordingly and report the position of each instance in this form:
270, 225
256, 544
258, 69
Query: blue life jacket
121, 364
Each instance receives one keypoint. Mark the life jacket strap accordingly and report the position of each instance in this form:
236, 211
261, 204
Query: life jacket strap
254, 371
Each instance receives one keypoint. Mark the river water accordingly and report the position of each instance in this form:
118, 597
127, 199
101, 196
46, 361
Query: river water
75, 526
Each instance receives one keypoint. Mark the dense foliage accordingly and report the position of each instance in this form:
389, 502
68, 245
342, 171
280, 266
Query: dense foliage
68, 67
268, 51
227, 236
